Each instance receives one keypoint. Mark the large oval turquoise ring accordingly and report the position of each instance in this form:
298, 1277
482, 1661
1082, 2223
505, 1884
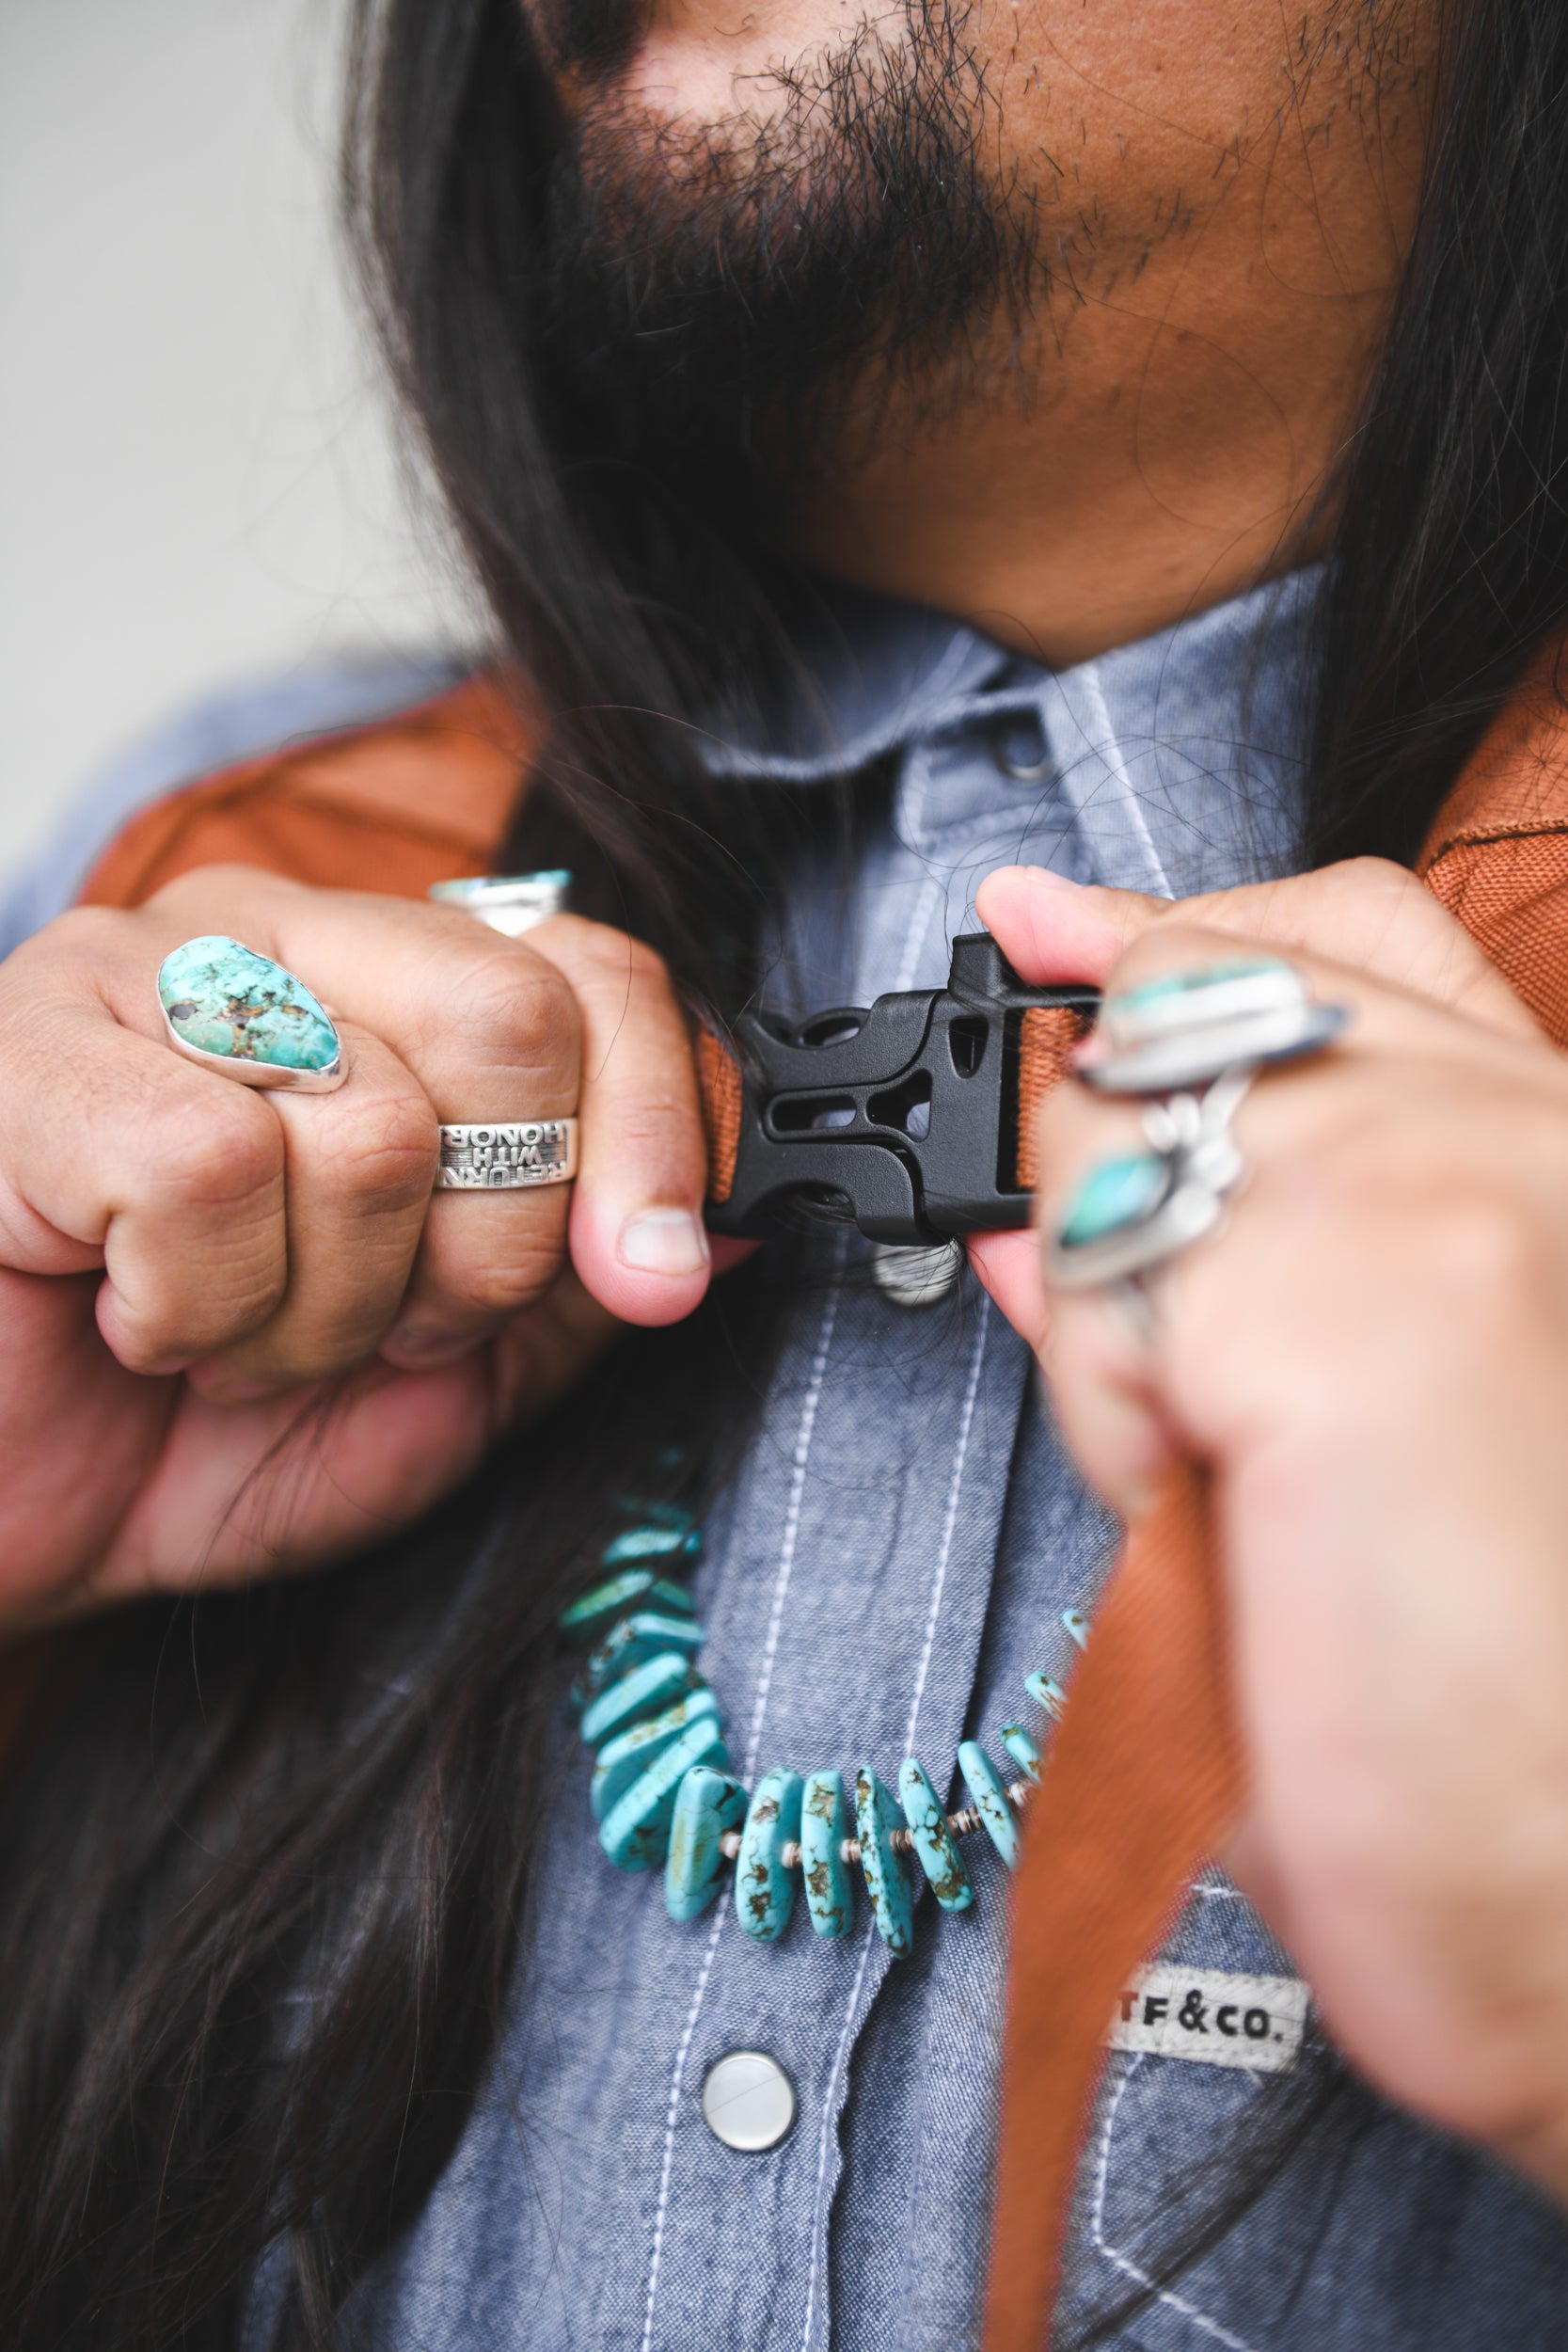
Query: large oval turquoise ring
240, 1014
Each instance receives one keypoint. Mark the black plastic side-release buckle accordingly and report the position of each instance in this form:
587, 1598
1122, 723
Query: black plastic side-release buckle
903, 1116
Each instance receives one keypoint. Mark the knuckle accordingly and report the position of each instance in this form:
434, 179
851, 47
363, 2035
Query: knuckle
381, 1148
505, 1285
1486, 1245
1379, 877
618, 956
506, 1002
661, 1132
225, 880
87, 938
214, 1149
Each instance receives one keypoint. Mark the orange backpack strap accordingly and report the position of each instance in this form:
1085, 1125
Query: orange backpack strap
391, 807
1146, 1774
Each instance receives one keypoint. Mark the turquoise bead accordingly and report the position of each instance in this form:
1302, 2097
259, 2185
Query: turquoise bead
707, 1803
226, 999
589, 1616
647, 1690
1112, 1194
635, 1833
824, 1872
934, 1841
1048, 1694
673, 1547
988, 1795
632, 1643
621, 1759
887, 1877
764, 1888
1021, 1749
1078, 1626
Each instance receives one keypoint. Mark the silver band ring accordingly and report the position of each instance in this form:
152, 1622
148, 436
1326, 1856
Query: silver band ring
507, 1156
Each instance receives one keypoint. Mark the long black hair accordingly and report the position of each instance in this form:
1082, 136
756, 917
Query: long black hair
264, 1855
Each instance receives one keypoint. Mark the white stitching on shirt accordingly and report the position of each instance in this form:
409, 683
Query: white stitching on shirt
782, 1576
960, 1455
950, 1521
932, 892
825, 2134
1124, 2264
1109, 752
792, 1513
676, 2082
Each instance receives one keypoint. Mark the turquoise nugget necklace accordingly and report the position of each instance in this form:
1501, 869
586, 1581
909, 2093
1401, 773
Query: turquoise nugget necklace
662, 1790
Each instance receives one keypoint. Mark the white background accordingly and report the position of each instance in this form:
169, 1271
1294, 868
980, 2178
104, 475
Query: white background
197, 482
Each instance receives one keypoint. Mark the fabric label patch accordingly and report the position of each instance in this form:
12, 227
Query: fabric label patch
1217, 2019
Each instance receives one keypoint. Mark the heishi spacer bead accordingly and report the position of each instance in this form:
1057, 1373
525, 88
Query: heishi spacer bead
621, 1759
635, 1833
632, 1643
598, 1609
824, 1819
647, 1690
932, 1837
887, 1876
764, 1887
710, 1806
1021, 1748
988, 1791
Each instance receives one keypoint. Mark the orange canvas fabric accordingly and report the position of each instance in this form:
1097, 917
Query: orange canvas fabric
393, 807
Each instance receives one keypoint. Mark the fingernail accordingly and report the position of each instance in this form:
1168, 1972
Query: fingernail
664, 1241
427, 1343
1048, 881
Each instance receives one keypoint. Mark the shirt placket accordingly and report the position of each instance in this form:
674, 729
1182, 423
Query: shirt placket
844, 1628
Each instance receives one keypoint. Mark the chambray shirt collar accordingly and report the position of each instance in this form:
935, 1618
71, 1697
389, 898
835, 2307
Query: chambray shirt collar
870, 674
1142, 766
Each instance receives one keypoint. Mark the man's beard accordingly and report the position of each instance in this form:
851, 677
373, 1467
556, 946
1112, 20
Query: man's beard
743, 300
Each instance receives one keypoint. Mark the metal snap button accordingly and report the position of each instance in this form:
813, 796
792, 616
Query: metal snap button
916, 1276
748, 2101
1024, 760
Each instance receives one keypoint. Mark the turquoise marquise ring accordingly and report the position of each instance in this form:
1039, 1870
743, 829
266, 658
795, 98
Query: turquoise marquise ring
244, 1017
1189, 1045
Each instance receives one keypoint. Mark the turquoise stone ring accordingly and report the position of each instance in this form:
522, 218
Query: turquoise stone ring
1112, 1195
508, 903
245, 1017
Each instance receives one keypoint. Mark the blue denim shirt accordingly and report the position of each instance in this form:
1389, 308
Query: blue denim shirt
892, 1557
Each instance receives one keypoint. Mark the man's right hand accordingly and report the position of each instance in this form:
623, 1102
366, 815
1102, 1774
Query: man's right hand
238, 1332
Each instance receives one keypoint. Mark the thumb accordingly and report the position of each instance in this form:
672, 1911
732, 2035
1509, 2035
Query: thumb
1052, 930
1008, 1266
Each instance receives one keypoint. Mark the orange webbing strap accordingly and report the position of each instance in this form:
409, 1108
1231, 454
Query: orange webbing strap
1047, 1035
1144, 1778
719, 1085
